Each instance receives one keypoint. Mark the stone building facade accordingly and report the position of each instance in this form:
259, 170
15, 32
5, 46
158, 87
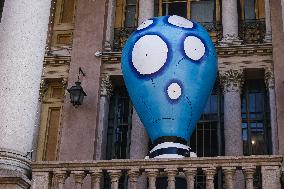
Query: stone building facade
46, 142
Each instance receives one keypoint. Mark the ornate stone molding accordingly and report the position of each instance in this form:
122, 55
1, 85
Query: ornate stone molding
231, 80
43, 88
269, 78
106, 86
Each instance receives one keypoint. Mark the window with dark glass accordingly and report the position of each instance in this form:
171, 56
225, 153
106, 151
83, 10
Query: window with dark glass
1, 8
179, 8
203, 11
119, 125
255, 119
130, 13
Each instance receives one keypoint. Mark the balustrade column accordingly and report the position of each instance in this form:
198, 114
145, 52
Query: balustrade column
230, 22
105, 93
133, 177
268, 36
146, 10
248, 172
23, 31
171, 173
60, 178
232, 81
114, 177
96, 179
78, 177
152, 175
109, 35
270, 85
190, 173
209, 173
270, 177
229, 173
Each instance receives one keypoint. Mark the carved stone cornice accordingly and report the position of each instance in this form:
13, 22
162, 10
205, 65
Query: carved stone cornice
231, 80
57, 60
106, 86
269, 78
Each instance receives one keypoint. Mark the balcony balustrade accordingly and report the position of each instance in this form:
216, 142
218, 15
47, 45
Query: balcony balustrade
52, 175
250, 32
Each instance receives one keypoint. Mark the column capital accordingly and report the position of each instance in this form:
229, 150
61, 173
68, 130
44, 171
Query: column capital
248, 172
79, 176
190, 171
106, 86
133, 175
269, 78
231, 80
114, 175
152, 173
210, 172
60, 176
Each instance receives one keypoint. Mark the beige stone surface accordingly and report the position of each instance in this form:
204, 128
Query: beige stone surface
13, 180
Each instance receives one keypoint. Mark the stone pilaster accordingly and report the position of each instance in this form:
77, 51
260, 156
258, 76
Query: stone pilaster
270, 177
105, 93
23, 33
230, 23
139, 145
268, 36
146, 10
232, 81
270, 86
109, 35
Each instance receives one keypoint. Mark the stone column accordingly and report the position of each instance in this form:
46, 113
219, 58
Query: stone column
79, 177
114, 176
152, 176
109, 35
171, 173
270, 85
146, 10
23, 33
209, 173
229, 173
190, 173
248, 172
230, 23
96, 176
232, 81
105, 93
270, 177
133, 177
139, 145
268, 36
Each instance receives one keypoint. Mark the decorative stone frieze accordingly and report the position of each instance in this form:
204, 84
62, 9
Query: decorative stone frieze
269, 78
106, 86
231, 80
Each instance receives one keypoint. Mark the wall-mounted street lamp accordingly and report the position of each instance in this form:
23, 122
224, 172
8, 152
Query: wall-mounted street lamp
77, 93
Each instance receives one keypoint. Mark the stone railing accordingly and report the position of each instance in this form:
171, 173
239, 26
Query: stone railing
48, 175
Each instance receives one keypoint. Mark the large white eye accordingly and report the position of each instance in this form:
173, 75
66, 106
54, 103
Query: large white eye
145, 24
194, 48
149, 54
180, 21
174, 91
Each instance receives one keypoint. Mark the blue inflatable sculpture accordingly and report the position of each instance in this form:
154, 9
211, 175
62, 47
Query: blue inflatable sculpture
169, 66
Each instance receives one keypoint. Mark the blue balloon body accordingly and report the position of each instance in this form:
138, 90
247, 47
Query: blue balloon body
169, 67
